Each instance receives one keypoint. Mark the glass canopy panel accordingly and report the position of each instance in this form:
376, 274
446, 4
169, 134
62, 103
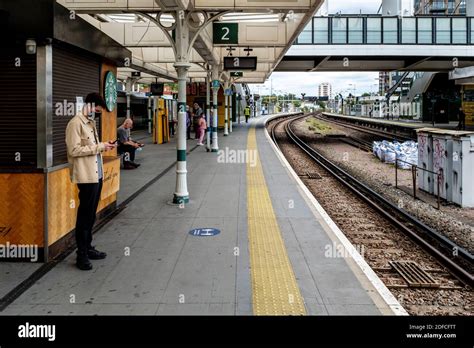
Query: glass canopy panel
355, 30
374, 30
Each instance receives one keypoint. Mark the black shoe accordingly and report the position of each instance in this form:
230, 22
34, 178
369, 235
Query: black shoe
83, 263
128, 165
95, 254
136, 165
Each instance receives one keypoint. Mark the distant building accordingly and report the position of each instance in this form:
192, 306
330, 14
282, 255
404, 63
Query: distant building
325, 90
385, 82
440, 7
388, 79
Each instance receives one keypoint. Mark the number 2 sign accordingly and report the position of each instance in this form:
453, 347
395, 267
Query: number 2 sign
225, 33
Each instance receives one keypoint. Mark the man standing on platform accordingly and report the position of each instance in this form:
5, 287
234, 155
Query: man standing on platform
462, 119
197, 116
247, 113
84, 152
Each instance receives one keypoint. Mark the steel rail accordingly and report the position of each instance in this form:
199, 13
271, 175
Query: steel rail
388, 210
364, 129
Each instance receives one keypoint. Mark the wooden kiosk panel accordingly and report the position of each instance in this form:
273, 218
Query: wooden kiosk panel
21, 208
63, 198
111, 180
62, 205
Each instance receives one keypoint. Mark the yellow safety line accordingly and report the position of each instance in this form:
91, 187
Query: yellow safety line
274, 286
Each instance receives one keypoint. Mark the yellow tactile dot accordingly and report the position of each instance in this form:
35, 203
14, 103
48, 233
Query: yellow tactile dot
274, 286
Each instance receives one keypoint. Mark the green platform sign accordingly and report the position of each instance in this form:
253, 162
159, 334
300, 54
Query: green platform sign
236, 74
110, 90
225, 33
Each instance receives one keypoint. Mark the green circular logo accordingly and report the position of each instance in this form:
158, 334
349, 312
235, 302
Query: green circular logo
110, 90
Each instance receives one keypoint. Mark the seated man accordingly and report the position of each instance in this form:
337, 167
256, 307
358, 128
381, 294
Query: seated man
126, 145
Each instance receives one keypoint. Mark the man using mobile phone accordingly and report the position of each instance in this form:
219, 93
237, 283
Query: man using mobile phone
84, 152
126, 145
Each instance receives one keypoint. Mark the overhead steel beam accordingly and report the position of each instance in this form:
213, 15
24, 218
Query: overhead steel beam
307, 17
413, 62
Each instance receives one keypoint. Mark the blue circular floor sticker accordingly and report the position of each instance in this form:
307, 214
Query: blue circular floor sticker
204, 232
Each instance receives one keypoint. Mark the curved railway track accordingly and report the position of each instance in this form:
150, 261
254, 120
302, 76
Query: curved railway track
418, 235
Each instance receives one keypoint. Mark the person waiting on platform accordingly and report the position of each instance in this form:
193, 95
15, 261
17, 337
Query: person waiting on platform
84, 153
462, 119
247, 113
126, 145
172, 125
202, 129
188, 123
197, 116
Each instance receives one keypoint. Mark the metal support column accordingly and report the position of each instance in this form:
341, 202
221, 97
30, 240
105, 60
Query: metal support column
208, 113
215, 90
230, 109
182, 66
239, 103
226, 109
128, 90
181, 194
150, 111
44, 106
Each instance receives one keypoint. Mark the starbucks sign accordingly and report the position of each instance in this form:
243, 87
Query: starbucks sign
110, 90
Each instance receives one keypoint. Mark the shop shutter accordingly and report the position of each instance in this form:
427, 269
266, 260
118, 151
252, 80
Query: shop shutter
17, 109
76, 73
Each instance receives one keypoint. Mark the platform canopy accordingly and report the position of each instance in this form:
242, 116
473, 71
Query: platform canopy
267, 27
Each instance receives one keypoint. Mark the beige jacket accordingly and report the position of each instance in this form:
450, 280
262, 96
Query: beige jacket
82, 150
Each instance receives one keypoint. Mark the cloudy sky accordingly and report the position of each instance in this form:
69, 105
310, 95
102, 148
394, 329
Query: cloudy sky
308, 82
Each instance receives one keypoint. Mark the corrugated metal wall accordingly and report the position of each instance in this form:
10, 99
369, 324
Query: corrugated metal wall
17, 109
75, 74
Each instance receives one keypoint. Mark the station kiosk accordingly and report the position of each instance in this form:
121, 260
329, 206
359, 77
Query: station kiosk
451, 154
463, 169
426, 180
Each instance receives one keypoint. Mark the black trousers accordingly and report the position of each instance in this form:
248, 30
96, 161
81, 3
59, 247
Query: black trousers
127, 149
89, 197
196, 131
188, 132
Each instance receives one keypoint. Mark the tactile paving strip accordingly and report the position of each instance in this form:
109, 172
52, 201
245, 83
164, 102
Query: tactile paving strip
274, 286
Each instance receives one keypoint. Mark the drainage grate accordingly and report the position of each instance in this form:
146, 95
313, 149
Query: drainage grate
414, 275
313, 175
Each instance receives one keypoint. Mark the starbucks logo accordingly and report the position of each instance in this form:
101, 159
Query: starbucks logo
110, 90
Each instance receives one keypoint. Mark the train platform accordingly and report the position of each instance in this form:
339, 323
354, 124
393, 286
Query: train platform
277, 252
403, 124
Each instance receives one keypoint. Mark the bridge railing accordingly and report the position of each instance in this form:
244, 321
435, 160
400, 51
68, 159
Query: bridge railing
377, 30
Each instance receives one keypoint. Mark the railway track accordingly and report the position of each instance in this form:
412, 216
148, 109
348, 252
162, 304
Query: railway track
397, 243
378, 133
